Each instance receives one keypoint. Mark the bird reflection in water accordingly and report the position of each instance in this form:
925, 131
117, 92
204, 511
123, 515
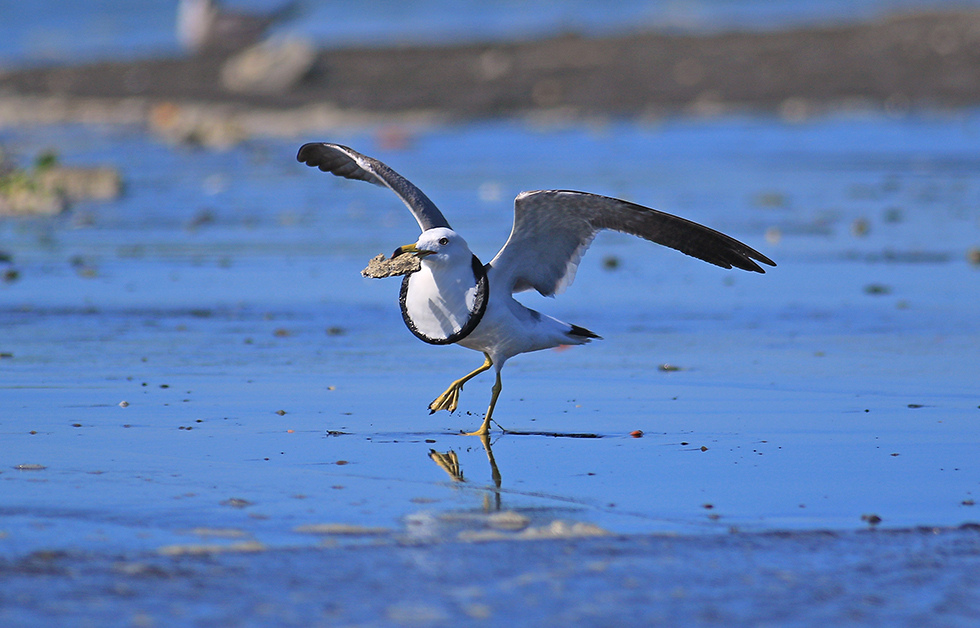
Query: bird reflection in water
449, 462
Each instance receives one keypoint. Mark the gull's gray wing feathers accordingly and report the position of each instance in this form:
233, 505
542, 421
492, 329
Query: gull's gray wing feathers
346, 162
553, 229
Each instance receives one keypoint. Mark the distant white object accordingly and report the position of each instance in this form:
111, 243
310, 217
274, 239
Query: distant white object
269, 67
204, 26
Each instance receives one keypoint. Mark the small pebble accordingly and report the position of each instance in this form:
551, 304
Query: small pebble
236, 502
860, 227
894, 215
774, 235
871, 519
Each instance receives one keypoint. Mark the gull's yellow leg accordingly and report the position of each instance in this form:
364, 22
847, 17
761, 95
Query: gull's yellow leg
485, 428
450, 399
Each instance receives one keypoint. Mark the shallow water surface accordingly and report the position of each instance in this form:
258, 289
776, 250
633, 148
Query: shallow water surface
274, 399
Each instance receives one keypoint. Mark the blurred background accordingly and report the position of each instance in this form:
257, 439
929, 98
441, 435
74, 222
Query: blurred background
53, 31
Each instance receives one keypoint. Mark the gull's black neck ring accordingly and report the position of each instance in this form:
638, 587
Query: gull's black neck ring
476, 314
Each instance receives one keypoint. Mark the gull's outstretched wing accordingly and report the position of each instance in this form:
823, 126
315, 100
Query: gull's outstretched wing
346, 162
553, 229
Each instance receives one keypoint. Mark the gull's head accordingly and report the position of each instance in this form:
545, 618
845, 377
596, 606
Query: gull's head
438, 246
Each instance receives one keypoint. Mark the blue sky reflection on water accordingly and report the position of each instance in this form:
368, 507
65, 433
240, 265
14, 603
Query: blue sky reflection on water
839, 384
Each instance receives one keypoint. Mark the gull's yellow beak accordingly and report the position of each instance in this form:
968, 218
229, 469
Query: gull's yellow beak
411, 248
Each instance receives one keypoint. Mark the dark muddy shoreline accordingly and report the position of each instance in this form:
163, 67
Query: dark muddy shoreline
899, 62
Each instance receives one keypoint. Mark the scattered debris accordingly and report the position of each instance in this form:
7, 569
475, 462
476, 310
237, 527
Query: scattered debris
871, 519
894, 215
211, 127
554, 530
774, 235
610, 262
771, 200
223, 533
860, 227
48, 188
508, 520
339, 529
877, 289
200, 549
236, 502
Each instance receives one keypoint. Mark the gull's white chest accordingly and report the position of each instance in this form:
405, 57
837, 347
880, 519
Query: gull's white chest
442, 305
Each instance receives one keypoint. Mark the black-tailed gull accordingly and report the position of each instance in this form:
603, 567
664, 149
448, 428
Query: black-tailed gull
454, 298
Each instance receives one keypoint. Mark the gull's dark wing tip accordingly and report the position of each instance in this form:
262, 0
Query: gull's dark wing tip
746, 260
312, 154
335, 159
305, 153
346, 162
765, 260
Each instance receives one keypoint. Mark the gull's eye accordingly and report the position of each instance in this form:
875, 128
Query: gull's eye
443, 241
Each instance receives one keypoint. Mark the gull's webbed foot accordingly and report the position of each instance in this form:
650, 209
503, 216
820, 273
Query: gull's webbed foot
450, 399
483, 431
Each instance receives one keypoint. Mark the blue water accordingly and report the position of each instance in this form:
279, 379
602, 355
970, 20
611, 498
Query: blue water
797, 382
61, 31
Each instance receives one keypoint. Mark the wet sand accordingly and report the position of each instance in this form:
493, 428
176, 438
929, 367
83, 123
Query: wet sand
766, 579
